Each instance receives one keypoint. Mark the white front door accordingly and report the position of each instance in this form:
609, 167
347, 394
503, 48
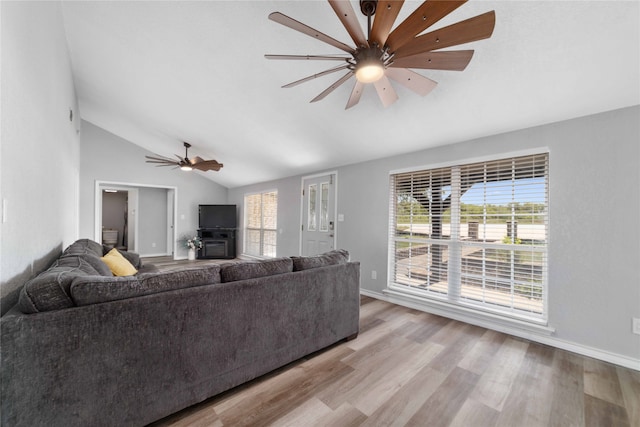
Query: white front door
318, 209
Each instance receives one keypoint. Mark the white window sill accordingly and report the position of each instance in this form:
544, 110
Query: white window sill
501, 323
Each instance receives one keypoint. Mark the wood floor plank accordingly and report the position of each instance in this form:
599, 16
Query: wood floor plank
529, 402
379, 391
480, 356
600, 412
630, 386
428, 327
601, 381
345, 416
444, 404
495, 384
567, 407
476, 414
457, 339
367, 371
399, 409
310, 412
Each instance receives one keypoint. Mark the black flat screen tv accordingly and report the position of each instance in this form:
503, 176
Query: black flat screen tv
217, 216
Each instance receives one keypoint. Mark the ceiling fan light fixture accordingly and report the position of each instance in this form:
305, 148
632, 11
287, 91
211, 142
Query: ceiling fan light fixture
186, 168
369, 67
369, 71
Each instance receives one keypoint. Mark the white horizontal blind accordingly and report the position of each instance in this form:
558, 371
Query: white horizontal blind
261, 221
474, 234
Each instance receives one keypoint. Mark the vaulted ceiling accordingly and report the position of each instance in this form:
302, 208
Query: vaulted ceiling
159, 73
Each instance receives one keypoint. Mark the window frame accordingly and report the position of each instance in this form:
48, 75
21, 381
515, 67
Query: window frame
262, 230
451, 299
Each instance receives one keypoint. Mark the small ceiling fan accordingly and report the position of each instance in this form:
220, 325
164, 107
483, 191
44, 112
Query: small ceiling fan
185, 163
385, 54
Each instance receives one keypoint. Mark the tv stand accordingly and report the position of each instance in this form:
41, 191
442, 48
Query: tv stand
217, 243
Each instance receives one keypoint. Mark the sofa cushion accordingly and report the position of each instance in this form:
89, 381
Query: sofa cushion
118, 264
50, 289
84, 247
91, 252
251, 270
339, 256
94, 290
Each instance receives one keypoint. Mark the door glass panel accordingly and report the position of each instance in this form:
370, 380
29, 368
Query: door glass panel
324, 206
311, 226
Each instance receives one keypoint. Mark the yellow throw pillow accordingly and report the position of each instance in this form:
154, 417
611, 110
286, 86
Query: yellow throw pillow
118, 264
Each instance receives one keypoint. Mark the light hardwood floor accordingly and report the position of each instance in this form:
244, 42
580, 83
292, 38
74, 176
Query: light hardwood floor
409, 368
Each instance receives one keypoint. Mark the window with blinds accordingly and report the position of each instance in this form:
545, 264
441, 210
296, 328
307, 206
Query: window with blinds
474, 235
261, 222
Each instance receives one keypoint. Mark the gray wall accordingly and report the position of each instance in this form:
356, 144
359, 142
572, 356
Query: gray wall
107, 157
40, 145
152, 221
594, 221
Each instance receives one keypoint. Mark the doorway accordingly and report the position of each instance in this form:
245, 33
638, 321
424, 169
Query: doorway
319, 209
143, 216
116, 218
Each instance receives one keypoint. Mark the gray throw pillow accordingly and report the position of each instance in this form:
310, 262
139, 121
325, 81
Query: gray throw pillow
251, 270
338, 256
94, 290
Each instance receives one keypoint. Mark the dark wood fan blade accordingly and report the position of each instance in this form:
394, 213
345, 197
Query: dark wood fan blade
311, 32
207, 165
356, 93
196, 159
323, 73
386, 14
312, 57
473, 29
347, 16
454, 60
411, 80
427, 14
386, 92
333, 87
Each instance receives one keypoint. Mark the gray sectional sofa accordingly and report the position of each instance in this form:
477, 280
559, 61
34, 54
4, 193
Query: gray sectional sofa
83, 347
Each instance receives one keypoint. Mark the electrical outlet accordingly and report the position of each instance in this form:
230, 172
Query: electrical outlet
374, 275
153, 245
636, 325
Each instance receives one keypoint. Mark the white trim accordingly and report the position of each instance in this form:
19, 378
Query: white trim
97, 216
542, 335
335, 207
159, 255
471, 160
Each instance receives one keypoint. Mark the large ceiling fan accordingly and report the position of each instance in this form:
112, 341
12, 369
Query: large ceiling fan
384, 54
185, 163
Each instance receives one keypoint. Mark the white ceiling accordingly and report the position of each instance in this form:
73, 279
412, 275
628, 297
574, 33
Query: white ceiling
159, 73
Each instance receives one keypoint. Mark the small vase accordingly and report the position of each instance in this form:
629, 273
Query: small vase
192, 254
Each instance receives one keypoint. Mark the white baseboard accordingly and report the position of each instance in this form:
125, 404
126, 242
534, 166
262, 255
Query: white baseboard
156, 255
542, 336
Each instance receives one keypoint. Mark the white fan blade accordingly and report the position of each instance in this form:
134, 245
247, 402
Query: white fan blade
385, 91
333, 87
320, 74
411, 80
356, 93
